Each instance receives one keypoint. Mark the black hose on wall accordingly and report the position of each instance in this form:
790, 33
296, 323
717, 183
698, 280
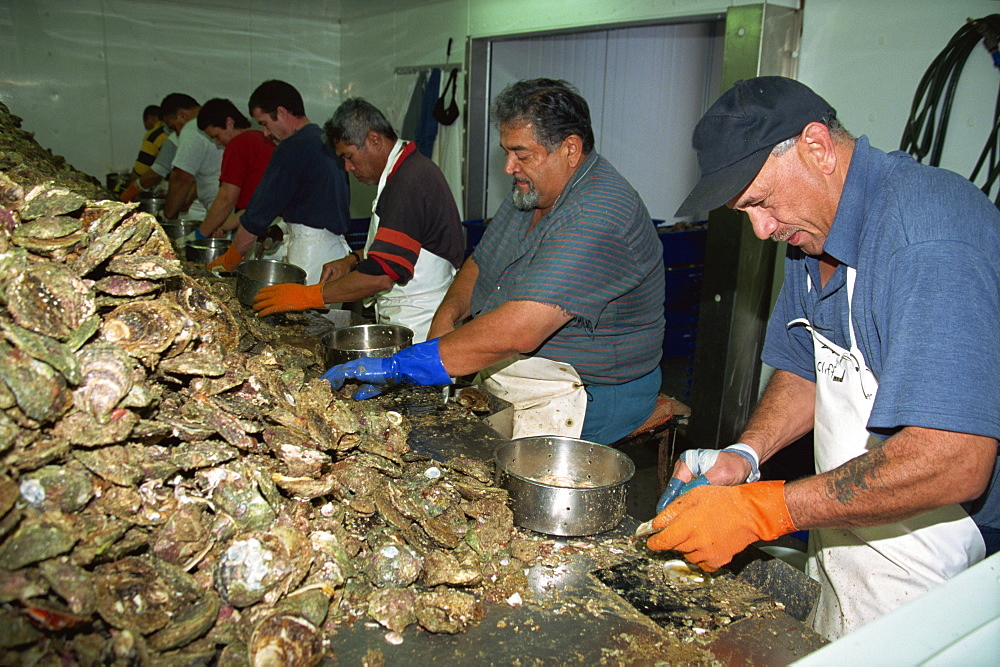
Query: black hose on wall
927, 126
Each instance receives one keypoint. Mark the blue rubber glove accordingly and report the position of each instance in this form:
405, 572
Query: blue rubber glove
699, 461
676, 488
418, 364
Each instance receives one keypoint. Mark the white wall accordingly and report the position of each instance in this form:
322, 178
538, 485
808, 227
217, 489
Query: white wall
866, 57
80, 72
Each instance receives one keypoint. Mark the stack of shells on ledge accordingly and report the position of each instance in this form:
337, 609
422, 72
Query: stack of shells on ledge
177, 485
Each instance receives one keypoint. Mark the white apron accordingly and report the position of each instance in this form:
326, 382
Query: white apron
548, 396
866, 572
310, 248
411, 305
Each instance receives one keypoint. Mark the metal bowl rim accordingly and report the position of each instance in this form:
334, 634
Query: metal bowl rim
584, 489
206, 243
339, 330
257, 262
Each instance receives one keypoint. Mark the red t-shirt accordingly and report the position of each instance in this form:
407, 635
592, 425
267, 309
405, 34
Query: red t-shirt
244, 162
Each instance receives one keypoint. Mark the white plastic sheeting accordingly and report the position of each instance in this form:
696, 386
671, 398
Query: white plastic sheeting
80, 72
646, 87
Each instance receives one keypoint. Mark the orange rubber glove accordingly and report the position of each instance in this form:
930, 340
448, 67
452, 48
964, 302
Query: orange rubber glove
129, 194
287, 296
228, 261
711, 524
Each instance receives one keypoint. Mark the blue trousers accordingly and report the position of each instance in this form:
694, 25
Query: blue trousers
615, 410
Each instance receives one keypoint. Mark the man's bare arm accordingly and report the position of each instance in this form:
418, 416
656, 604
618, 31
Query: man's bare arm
457, 302
914, 471
516, 327
177, 192
223, 205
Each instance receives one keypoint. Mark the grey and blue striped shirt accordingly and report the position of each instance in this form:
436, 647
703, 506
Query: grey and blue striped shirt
596, 255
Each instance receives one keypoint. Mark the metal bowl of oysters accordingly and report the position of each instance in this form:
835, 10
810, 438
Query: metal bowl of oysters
564, 486
364, 340
254, 274
203, 251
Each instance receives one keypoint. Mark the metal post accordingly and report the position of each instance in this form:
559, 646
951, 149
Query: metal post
739, 267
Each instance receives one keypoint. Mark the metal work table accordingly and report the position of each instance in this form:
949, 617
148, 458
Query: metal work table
573, 617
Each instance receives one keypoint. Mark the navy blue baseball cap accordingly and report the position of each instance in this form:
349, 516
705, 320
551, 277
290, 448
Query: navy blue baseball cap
735, 136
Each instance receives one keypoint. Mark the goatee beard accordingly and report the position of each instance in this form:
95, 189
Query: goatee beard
524, 201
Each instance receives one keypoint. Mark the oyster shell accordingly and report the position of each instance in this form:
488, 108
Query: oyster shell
448, 611
251, 567
142, 593
106, 378
395, 608
285, 639
50, 299
145, 267
66, 488
142, 328
38, 537
39, 390
45, 199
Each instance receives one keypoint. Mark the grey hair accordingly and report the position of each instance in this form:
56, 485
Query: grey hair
353, 120
554, 108
837, 131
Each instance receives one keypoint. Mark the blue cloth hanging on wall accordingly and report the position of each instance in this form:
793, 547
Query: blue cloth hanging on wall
412, 119
427, 128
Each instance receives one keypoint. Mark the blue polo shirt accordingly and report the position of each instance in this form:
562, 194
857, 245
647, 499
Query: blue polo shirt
596, 255
926, 308
304, 183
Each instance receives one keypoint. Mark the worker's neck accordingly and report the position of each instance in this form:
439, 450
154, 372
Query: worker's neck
298, 122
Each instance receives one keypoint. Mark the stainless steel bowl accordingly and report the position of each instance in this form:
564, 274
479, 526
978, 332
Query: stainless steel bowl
151, 204
204, 251
564, 486
178, 229
253, 274
364, 340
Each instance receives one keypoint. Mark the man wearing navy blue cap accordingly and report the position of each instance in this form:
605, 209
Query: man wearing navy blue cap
884, 340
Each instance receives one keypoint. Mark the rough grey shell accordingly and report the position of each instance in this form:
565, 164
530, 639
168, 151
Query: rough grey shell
50, 299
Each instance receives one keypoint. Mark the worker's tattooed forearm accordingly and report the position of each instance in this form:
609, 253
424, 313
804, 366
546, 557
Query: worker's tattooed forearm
856, 476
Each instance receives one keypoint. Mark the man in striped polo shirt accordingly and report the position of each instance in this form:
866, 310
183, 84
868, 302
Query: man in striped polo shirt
565, 290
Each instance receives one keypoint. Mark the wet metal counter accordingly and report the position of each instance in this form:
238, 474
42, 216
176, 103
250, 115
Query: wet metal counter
572, 615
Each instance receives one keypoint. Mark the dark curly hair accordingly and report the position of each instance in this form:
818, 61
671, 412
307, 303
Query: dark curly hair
554, 107
215, 112
273, 94
174, 102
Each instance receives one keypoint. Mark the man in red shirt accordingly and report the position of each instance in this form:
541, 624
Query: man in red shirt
243, 163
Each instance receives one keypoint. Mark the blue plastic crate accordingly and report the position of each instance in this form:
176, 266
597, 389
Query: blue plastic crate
474, 230
679, 341
682, 248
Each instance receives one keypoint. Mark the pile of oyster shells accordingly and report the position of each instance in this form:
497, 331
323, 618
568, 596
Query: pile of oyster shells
177, 484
